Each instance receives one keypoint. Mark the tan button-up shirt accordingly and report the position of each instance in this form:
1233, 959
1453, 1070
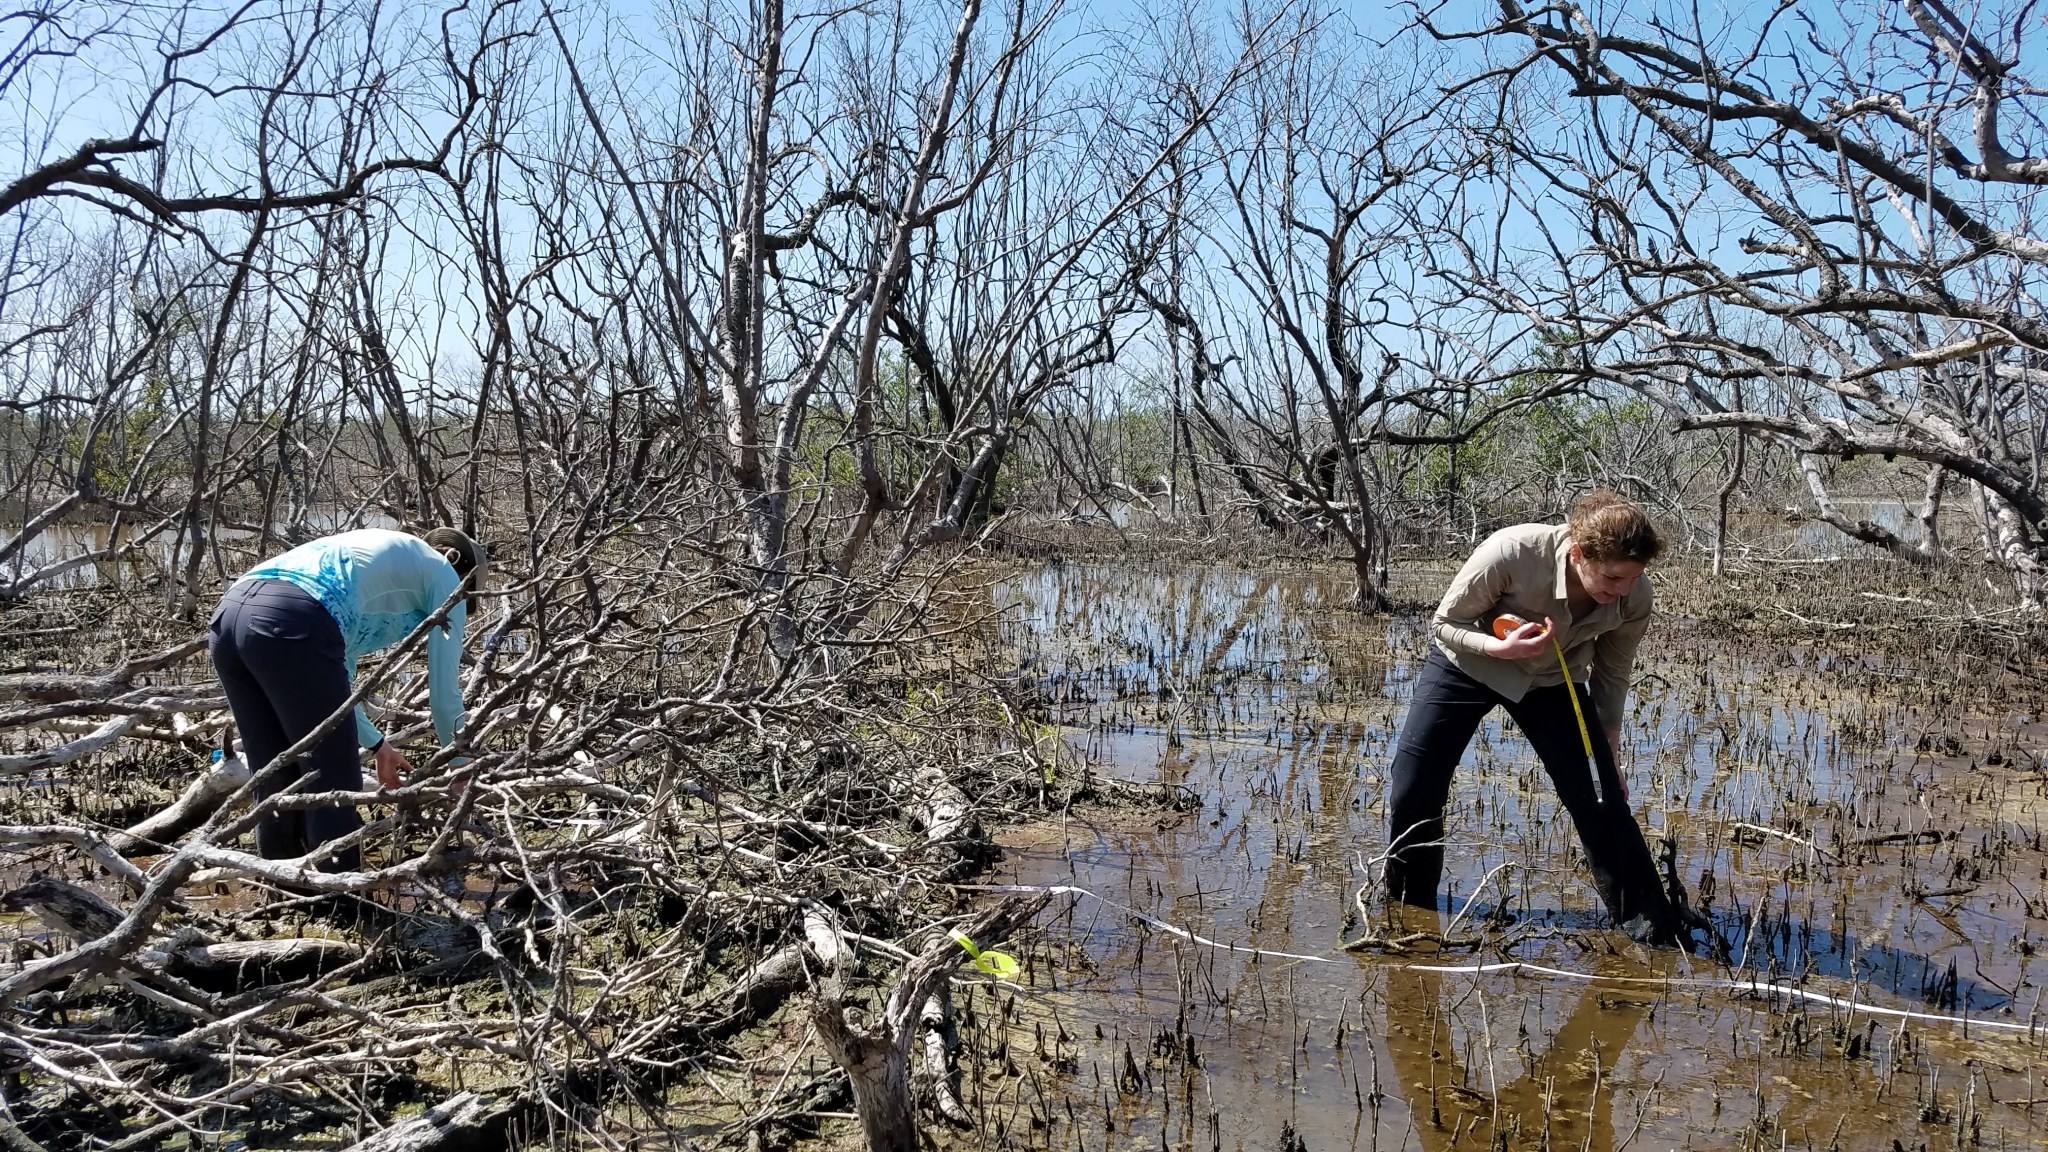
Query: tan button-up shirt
1522, 570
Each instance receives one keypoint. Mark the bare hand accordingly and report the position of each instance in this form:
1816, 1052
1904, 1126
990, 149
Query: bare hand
1531, 639
392, 766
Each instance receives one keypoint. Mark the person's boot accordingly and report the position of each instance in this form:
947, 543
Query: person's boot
1658, 932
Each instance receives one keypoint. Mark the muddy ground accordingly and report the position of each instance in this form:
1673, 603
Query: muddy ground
1848, 765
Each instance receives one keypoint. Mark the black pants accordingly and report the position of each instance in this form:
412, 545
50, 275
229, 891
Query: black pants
1442, 716
281, 658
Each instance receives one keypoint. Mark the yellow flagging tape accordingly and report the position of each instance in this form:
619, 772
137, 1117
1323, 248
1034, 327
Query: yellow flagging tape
1000, 965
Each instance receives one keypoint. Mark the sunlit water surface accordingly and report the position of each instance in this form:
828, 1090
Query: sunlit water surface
1917, 883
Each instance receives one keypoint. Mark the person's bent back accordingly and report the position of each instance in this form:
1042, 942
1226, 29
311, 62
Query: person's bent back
285, 641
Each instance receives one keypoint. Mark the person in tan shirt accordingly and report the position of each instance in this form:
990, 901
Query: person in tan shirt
1577, 588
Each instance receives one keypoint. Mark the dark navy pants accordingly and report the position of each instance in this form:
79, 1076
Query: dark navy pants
280, 656
1444, 712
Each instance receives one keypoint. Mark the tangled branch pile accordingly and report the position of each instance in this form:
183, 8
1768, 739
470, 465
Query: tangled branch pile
616, 884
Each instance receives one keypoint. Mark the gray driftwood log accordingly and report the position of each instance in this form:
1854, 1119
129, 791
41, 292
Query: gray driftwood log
463, 1121
201, 799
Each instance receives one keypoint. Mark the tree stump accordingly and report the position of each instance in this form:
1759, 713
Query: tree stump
877, 1059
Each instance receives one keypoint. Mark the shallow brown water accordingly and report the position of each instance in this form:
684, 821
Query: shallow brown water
1278, 707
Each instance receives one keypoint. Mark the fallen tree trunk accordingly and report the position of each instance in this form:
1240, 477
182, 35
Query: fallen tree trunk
759, 992
950, 823
201, 799
264, 961
940, 1041
463, 1121
941, 809
55, 687
101, 737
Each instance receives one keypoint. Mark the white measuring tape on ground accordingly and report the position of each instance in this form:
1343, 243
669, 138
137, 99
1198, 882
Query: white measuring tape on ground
1156, 922
1751, 987
1738, 987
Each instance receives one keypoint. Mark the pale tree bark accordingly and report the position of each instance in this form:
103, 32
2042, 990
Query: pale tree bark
1738, 455
1934, 489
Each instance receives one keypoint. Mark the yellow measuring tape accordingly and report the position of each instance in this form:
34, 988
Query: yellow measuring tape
1585, 737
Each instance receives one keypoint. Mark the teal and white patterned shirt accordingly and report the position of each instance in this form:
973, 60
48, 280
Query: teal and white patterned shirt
378, 585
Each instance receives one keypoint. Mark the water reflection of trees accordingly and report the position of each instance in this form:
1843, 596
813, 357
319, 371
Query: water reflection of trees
1552, 1092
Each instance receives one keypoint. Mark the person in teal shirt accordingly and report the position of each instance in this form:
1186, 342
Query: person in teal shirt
285, 641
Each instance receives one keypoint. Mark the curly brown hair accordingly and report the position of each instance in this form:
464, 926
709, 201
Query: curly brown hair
1607, 528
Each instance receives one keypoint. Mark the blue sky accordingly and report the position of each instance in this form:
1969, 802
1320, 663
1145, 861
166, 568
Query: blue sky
56, 103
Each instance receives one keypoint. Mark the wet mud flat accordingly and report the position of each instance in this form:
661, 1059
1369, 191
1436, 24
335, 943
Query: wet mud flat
1853, 789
